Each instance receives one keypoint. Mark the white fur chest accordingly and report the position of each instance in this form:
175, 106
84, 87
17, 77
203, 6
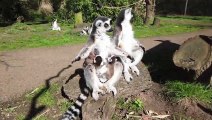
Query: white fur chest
127, 32
102, 44
127, 40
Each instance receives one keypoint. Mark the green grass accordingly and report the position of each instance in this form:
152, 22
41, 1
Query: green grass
20, 35
132, 105
195, 91
25, 35
190, 18
20, 117
164, 29
64, 105
47, 97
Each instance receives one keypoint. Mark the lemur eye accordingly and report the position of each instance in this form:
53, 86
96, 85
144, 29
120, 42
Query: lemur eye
99, 24
106, 25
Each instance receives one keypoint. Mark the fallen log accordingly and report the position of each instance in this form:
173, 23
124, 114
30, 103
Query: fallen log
104, 108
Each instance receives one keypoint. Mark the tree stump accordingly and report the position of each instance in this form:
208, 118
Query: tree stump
156, 22
78, 18
104, 108
195, 54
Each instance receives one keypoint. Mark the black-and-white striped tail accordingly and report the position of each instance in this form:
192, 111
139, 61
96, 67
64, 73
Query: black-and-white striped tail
75, 110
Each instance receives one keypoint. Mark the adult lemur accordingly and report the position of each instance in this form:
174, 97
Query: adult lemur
124, 38
96, 66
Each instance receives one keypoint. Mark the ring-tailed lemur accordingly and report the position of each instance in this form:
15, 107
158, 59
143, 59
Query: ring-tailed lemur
124, 38
85, 31
100, 41
96, 66
55, 26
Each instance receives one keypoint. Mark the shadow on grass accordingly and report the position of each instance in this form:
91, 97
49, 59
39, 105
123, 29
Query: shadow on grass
34, 108
160, 64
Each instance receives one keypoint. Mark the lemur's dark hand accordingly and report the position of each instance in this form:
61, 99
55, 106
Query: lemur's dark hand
76, 59
131, 58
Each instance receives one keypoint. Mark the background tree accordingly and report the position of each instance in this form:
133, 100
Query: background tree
150, 12
186, 4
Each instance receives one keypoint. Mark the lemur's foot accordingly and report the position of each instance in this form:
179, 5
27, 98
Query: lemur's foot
101, 92
111, 88
128, 77
135, 70
95, 95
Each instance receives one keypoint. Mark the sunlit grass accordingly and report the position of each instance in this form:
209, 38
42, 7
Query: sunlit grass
179, 90
164, 29
31, 36
25, 35
47, 97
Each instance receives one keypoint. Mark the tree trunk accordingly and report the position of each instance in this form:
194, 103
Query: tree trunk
78, 18
186, 4
156, 21
150, 12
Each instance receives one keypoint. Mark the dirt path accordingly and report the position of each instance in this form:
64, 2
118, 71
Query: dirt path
24, 70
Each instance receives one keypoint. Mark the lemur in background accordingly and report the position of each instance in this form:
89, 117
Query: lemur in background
85, 31
55, 26
96, 65
123, 37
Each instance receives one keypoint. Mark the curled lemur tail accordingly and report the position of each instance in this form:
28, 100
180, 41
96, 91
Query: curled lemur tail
75, 110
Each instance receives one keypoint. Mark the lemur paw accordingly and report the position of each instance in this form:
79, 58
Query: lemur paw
135, 70
128, 77
76, 59
95, 96
111, 88
101, 92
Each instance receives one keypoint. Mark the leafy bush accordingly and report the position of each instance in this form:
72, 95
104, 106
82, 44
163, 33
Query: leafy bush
93, 8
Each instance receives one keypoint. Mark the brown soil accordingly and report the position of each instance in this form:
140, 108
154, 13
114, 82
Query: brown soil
24, 70
155, 100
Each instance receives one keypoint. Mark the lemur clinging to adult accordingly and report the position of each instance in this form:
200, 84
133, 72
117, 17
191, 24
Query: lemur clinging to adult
96, 66
123, 37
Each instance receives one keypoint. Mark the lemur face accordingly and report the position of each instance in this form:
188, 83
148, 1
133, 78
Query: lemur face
102, 24
128, 14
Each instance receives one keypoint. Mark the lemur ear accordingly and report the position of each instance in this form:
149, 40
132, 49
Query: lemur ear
98, 23
128, 10
110, 20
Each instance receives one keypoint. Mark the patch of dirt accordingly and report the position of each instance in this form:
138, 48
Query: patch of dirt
153, 99
156, 101
23, 108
